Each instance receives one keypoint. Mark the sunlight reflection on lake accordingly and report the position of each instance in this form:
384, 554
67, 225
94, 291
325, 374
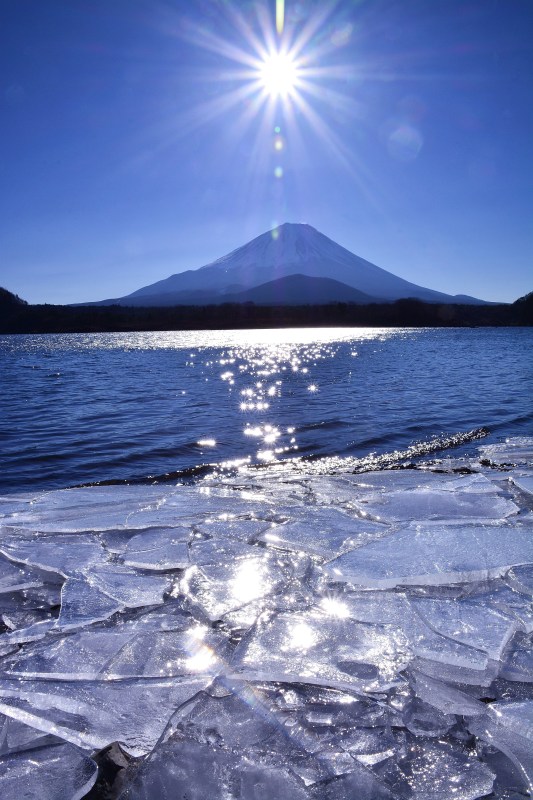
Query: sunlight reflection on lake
273, 356
80, 408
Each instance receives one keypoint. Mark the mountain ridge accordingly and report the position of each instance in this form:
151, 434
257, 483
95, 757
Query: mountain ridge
290, 249
291, 290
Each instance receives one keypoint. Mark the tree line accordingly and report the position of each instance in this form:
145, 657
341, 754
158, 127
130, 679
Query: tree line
19, 317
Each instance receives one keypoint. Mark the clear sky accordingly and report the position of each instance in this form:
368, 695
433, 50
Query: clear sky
138, 138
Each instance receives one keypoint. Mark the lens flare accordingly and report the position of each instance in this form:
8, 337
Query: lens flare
280, 16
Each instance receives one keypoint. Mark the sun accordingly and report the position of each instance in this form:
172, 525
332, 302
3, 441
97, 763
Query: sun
278, 75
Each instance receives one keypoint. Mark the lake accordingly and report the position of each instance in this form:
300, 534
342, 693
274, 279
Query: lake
85, 408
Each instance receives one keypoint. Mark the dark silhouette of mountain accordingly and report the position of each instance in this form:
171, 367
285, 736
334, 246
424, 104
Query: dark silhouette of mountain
289, 250
523, 308
10, 300
298, 290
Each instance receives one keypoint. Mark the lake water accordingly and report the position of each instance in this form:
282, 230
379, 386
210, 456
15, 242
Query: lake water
83, 408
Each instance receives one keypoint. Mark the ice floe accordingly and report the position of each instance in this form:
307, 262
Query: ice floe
312, 638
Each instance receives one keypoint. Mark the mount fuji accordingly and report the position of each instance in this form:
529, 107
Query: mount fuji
290, 265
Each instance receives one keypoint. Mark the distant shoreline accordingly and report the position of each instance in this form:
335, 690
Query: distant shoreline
26, 319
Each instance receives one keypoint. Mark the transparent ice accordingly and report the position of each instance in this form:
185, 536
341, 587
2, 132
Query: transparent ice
312, 638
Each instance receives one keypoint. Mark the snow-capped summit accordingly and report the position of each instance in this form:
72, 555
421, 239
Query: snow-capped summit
288, 250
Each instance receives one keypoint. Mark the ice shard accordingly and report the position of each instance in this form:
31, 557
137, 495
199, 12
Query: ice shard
159, 549
324, 533
509, 728
420, 554
439, 504
93, 714
14, 578
83, 604
119, 652
524, 481
125, 585
312, 647
66, 554
218, 589
48, 773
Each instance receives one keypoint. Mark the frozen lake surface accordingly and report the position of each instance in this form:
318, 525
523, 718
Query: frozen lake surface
273, 635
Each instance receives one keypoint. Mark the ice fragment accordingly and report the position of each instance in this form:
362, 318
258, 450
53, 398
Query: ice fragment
48, 773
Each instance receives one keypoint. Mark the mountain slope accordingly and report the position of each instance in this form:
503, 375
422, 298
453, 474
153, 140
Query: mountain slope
291, 249
293, 290
296, 290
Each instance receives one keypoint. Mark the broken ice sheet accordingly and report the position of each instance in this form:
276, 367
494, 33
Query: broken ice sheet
16, 736
469, 623
245, 717
14, 578
436, 770
520, 578
509, 728
15, 504
159, 549
86, 509
423, 719
47, 773
93, 714
201, 770
473, 484
219, 588
323, 532
241, 728
220, 529
6, 649
30, 634
220, 551
368, 745
280, 492
455, 672
185, 504
393, 480
23, 618
120, 651
335, 490
41, 601
240, 620
79, 656
518, 665
446, 698
310, 647
507, 601
127, 586
524, 481
441, 504
63, 553
397, 610
84, 604
116, 541
168, 617
360, 783
436, 554
516, 450
424, 642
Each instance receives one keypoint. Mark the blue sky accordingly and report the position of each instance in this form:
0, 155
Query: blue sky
138, 141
